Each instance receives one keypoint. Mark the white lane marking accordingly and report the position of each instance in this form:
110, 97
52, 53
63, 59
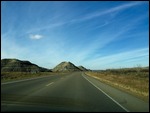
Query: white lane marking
24, 80
107, 95
49, 83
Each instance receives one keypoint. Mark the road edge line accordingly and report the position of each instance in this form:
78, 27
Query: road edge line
107, 95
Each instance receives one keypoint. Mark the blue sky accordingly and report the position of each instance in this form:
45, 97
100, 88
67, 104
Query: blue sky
97, 35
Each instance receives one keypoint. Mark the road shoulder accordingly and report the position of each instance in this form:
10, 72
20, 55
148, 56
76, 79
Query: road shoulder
126, 100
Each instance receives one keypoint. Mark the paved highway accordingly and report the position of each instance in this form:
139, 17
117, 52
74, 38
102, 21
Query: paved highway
72, 92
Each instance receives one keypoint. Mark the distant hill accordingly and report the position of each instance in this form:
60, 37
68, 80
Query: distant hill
82, 68
65, 66
15, 65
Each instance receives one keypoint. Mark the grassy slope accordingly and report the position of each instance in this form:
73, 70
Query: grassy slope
132, 80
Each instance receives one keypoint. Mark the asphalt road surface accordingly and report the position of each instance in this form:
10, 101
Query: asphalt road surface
72, 92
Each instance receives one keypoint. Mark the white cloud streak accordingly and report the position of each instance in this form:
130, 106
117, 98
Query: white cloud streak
100, 43
119, 58
36, 37
88, 17
111, 10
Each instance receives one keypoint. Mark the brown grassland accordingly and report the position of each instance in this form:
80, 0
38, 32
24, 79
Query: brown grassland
11, 76
131, 80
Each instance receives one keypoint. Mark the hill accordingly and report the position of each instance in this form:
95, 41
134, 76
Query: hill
82, 68
65, 66
15, 65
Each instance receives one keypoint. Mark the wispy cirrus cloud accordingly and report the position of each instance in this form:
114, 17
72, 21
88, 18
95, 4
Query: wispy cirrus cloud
123, 57
10, 48
87, 17
99, 42
109, 11
104, 36
36, 36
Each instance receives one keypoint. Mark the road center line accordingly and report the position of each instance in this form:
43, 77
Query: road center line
49, 83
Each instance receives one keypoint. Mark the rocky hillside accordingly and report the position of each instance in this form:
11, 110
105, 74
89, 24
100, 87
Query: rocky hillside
15, 65
82, 68
66, 66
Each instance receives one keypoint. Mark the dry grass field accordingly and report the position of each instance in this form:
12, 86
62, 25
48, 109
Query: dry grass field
11, 76
132, 80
